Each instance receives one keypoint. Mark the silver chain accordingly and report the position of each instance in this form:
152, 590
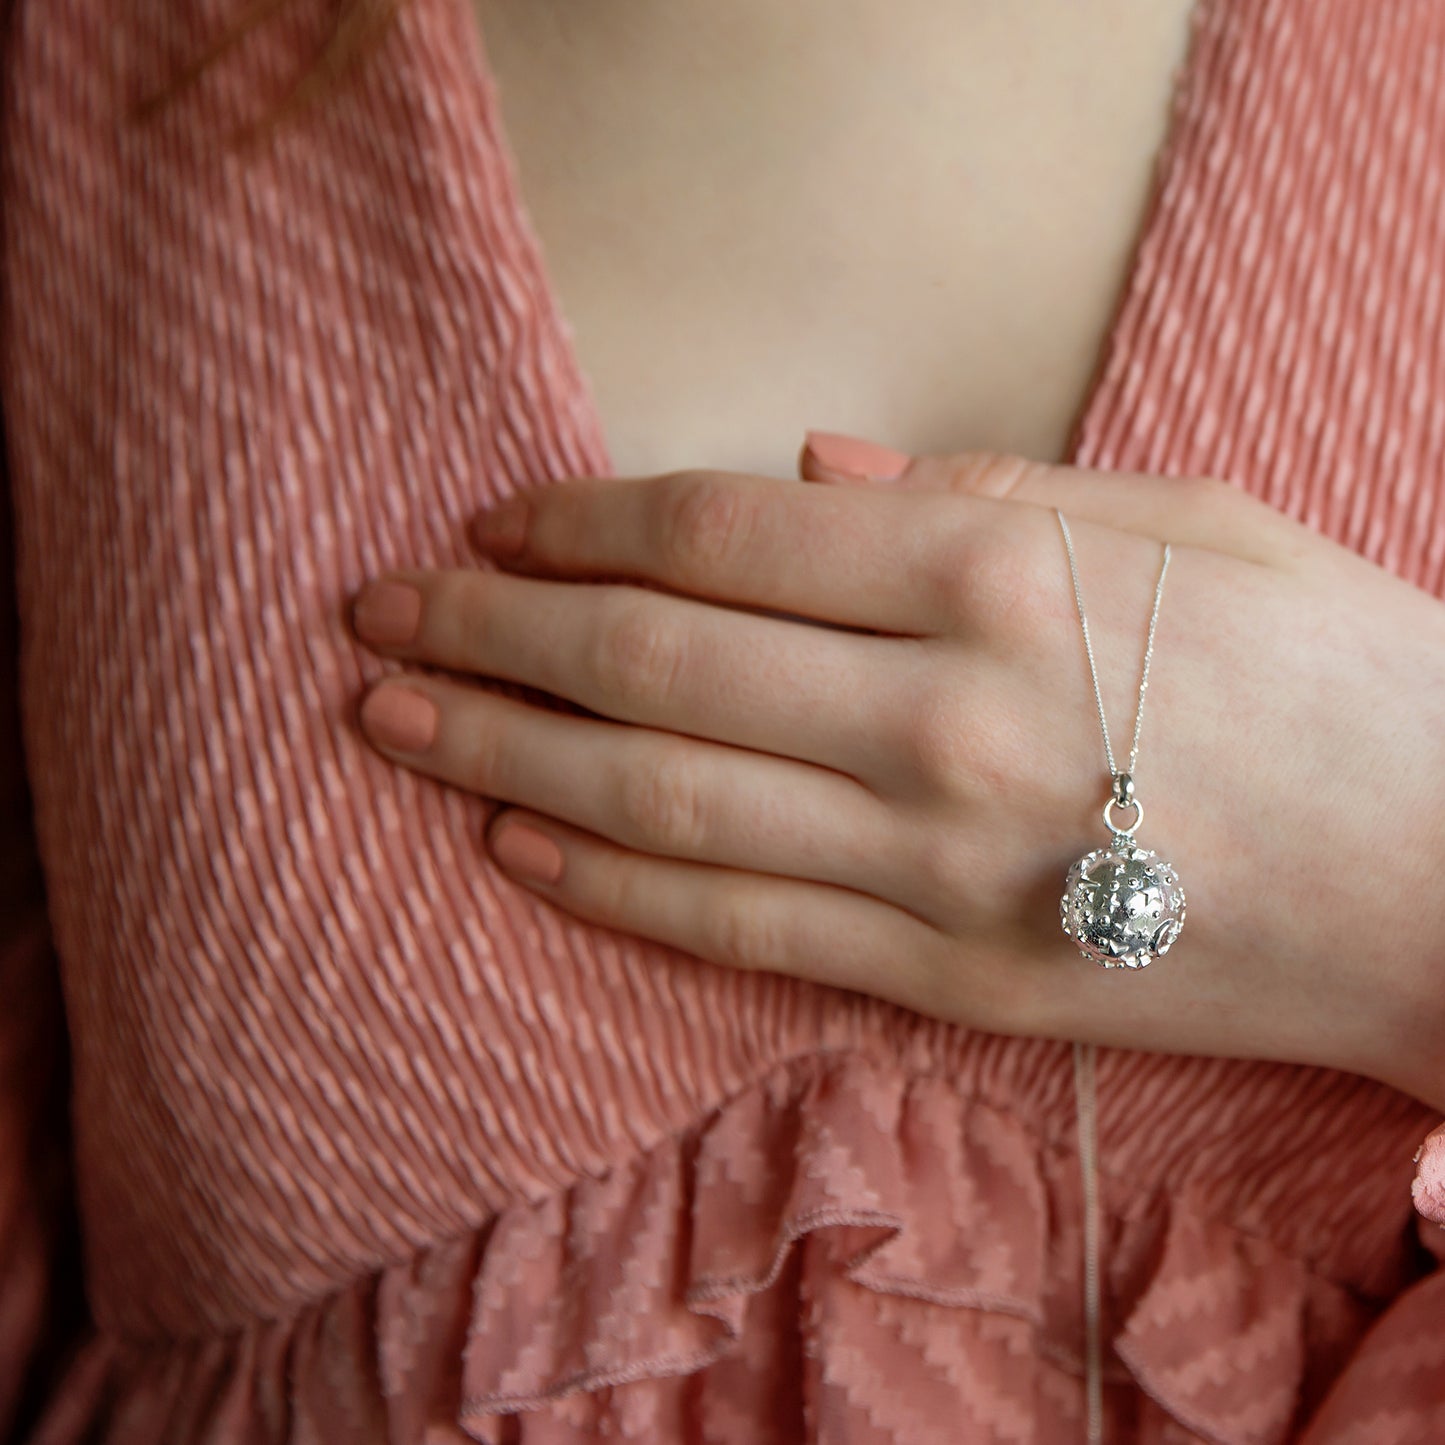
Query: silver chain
1089, 648
1085, 1053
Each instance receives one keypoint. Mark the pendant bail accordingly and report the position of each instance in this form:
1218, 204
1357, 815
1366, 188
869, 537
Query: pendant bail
1123, 789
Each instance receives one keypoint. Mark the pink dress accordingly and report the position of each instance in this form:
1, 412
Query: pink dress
372, 1145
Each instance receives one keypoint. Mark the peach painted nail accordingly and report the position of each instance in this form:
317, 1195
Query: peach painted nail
399, 717
854, 456
502, 530
387, 613
526, 852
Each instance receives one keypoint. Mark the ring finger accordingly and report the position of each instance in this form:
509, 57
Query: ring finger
652, 791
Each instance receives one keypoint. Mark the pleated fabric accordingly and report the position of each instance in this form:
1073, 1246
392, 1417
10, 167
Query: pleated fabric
372, 1145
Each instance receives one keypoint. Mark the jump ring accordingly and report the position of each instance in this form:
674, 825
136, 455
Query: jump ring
1138, 816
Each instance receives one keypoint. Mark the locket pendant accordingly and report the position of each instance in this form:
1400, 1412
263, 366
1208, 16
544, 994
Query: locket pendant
1123, 905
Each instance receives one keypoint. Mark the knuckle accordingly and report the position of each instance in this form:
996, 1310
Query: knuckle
707, 522
945, 869
627, 894
1245, 524
1201, 493
637, 656
934, 742
661, 802
999, 475
1200, 502
936, 986
487, 765
739, 933
981, 974
1005, 1000
989, 580
457, 620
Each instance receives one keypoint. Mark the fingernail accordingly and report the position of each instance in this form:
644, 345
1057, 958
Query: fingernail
502, 530
526, 852
856, 457
399, 717
387, 613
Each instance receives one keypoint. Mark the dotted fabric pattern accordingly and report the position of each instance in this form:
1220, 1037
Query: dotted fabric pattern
370, 1144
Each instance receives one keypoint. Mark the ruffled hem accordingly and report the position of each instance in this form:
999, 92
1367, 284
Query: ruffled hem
648, 1274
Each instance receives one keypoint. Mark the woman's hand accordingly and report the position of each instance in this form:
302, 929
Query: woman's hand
889, 802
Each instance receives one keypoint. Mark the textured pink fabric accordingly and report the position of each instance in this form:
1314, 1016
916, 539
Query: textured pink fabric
372, 1145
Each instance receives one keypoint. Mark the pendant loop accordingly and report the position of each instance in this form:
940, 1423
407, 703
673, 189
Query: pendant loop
1138, 816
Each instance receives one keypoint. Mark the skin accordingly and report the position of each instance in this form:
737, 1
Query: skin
901, 218
889, 801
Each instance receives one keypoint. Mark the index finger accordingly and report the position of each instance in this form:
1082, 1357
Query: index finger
857, 557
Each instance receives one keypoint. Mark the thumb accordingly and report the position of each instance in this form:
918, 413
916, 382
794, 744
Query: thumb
848, 461
852, 461
1201, 511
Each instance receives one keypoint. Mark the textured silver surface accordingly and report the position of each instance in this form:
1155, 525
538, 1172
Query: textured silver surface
1123, 905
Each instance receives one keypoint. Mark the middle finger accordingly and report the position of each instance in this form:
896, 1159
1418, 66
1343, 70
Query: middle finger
823, 696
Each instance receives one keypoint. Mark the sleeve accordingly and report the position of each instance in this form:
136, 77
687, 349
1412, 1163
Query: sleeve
42, 1307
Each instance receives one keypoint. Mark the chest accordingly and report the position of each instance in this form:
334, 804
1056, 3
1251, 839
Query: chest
908, 221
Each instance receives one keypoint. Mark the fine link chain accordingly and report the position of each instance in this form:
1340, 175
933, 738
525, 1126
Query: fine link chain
1085, 1053
1089, 648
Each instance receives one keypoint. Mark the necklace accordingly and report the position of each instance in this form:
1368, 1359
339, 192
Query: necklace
1123, 906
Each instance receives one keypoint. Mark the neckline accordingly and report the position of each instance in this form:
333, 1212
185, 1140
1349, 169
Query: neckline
1098, 392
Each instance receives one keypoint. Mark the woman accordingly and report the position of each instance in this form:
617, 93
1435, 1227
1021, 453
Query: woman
759, 1122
